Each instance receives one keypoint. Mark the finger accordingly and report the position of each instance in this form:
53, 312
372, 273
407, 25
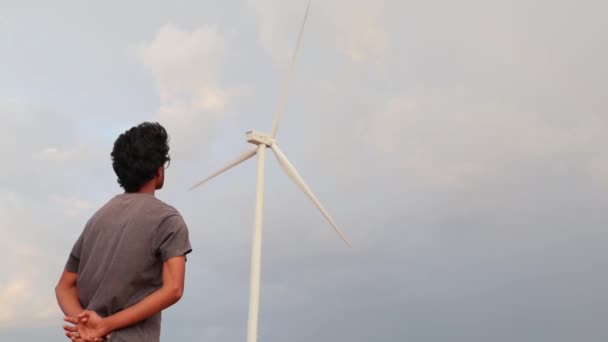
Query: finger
71, 319
96, 339
83, 317
76, 336
85, 313
70, 328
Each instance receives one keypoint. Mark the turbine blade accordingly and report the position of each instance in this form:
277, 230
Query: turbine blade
287, 81
295, 176
237, 161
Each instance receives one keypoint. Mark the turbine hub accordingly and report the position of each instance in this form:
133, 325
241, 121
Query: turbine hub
258, 138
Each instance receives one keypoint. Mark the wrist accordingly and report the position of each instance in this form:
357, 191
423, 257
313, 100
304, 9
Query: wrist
108, 325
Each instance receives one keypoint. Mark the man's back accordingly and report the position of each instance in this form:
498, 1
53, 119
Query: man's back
119, 258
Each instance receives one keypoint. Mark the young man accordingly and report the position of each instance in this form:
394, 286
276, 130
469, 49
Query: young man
129, 262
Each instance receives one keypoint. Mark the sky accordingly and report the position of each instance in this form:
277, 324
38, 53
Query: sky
459, 145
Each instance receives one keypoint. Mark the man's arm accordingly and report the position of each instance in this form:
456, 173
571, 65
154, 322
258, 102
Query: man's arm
170, 292
67, 295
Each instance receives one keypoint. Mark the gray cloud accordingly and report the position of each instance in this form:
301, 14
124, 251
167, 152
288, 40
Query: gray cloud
465, 161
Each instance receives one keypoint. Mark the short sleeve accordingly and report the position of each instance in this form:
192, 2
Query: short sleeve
74, 259
173, 238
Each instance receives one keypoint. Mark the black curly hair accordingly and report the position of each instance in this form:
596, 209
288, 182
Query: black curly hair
138, 153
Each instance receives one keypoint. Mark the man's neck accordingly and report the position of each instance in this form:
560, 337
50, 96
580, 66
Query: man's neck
148, 188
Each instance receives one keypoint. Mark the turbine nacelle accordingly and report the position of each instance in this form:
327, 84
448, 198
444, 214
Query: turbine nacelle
258, 138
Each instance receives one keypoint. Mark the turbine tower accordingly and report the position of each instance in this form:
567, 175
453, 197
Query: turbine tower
262, 142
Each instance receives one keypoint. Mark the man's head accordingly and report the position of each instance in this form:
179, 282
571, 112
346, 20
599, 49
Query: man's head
139, 156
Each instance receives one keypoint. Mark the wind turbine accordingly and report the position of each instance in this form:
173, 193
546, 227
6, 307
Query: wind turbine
262, 142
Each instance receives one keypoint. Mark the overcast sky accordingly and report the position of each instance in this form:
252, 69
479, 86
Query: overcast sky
460, 145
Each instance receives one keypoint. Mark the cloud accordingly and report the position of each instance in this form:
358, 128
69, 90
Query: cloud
457, 141
23, 302
183, 60
34, 255
186, 66
272, 18
60, 154
44, 199
470, 172
72, 206
359, 29
354, 27
597, 165
31, 264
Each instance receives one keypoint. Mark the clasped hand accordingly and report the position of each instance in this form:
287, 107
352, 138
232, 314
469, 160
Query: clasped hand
88, 326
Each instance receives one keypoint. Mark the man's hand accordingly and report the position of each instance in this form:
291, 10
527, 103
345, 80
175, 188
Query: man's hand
88, 327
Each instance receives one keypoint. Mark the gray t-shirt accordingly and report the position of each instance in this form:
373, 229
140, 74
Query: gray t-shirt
119, 258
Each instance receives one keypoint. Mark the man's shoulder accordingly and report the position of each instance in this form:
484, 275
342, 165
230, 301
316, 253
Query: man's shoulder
129, 204
162, 206
163, 212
